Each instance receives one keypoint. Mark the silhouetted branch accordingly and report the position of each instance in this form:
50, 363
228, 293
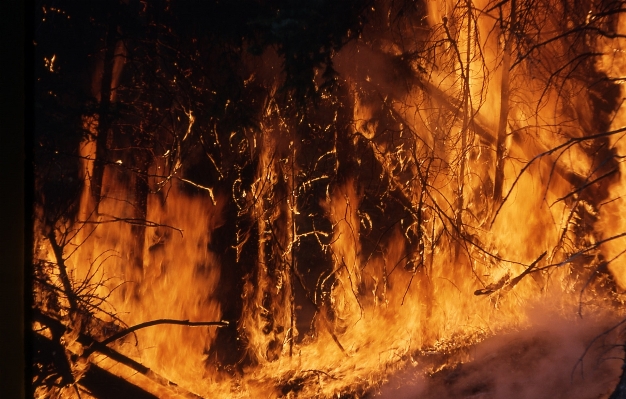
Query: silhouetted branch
603, 334
568, 143
151, 323
504, 285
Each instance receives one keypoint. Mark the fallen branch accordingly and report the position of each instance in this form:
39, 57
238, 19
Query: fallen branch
568, 143
505, 286
91, 345
575, 255
151, 323
132, 222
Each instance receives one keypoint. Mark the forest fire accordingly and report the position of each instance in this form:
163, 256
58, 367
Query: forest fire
417, 199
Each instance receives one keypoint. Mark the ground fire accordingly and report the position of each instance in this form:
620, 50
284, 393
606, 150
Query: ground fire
356, 199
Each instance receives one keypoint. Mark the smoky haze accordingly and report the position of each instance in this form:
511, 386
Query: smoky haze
555, 358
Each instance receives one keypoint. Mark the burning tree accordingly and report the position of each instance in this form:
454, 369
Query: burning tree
239, 197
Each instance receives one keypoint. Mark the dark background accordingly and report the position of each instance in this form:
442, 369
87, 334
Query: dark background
12, 167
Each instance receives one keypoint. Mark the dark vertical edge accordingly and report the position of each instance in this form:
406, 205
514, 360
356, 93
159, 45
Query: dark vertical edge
104, 118
138, 231
12, 166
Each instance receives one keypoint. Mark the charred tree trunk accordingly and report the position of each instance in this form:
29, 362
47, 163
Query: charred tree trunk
104, 112
238, 257
269, 305
138, 229
467, 111
229, 350
504, 110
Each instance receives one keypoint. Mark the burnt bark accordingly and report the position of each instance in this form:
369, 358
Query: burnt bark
504, 108
138, 230
102, 384
104, 112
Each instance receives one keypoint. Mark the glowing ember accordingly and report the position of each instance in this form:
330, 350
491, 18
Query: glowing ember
409, 199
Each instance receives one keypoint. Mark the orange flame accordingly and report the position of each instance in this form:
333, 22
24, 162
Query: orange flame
455, 283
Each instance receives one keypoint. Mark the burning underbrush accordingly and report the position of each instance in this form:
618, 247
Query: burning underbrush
423, 200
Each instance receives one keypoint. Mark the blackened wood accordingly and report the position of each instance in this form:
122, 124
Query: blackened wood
102, 384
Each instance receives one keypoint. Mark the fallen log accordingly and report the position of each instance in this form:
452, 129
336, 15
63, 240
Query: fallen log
91, 345
103, 384
96, 381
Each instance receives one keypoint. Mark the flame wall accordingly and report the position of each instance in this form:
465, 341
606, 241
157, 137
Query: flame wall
455, 180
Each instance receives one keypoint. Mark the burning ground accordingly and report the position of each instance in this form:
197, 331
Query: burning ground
340, 199
554, 358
